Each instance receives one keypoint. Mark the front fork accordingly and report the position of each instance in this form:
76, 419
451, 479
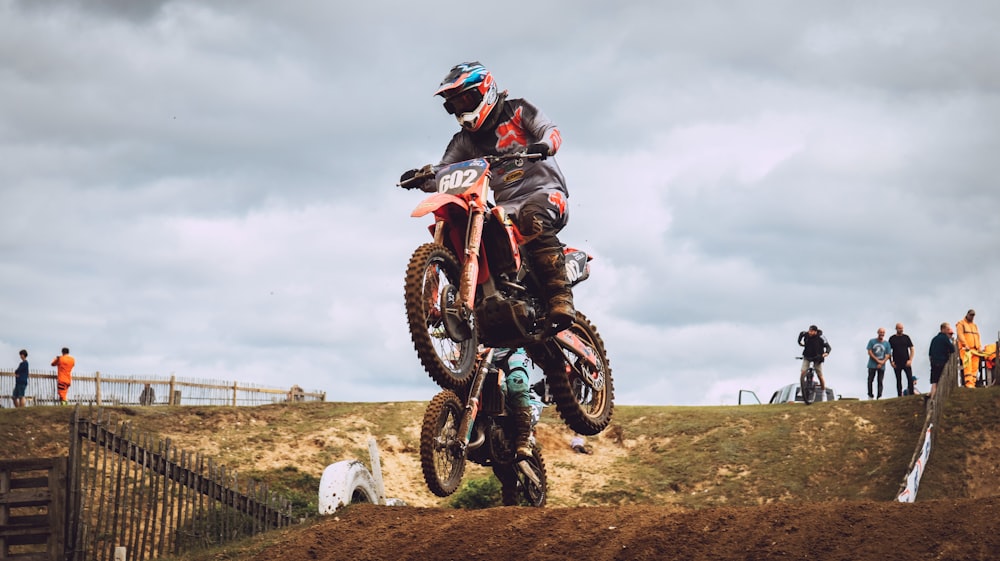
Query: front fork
470, 259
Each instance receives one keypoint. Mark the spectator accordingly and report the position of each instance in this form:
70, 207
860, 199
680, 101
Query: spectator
940, 353
148, 395
64, 366
968, 346
902, 360
914, 391
815, 350
878, 354
579, 445
20, 380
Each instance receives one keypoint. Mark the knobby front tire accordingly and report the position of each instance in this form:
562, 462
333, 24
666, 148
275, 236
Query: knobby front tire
585, 410
440, 458
432, 278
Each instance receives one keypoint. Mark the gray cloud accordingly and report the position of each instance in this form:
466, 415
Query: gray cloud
207, 190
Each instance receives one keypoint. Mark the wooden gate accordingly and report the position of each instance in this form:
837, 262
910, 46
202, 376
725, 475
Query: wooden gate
129, 489
33, 509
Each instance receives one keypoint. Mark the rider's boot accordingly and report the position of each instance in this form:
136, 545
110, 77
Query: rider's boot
550, 266
522, 426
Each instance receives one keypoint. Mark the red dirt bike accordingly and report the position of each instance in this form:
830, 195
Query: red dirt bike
470, 286
479, 429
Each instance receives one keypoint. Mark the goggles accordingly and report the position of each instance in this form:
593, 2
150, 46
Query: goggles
463, 102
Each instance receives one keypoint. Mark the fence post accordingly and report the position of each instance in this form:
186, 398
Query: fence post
97, 387
235, 382
170, 395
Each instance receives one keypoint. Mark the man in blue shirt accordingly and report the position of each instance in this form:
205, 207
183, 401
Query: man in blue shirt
879, 352
20, 380
940, 352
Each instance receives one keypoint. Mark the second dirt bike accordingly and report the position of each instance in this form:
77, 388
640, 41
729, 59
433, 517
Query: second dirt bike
470, 286
479, 429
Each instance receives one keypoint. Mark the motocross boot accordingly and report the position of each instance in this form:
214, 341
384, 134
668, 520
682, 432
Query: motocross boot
550, 266
522, 426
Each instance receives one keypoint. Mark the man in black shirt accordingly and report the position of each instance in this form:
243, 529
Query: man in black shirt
815, 350
902, 360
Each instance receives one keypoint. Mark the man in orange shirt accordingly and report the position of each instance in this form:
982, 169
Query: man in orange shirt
64, 377
967, 337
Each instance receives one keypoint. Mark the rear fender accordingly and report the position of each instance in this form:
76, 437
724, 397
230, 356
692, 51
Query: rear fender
577, 265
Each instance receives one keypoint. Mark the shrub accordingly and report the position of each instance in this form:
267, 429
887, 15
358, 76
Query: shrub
478, 493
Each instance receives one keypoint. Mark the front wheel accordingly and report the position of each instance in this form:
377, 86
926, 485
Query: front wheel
524, 482
442, 456
444, 339
585, 406
808, 386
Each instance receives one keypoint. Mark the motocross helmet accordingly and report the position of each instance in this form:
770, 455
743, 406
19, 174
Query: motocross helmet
469, 93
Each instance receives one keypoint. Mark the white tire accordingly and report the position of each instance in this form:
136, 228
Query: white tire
344, 483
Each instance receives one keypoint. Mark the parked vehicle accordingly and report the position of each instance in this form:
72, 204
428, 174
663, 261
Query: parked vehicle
792, 393
470, 286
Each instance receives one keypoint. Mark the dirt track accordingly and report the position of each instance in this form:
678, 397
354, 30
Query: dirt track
825, 531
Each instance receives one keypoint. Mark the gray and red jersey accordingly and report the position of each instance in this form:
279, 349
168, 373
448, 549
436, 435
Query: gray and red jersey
517, 125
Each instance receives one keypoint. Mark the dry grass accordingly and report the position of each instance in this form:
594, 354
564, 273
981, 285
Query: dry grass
691, 457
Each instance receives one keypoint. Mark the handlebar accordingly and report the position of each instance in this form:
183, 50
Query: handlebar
427, 171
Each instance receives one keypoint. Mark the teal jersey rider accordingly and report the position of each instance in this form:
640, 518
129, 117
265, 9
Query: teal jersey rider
514, 363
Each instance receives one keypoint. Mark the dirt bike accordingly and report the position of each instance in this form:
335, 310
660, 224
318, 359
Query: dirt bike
470, 286
808, 383
479, 429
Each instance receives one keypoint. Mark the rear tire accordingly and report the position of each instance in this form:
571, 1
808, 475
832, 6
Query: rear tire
441, 458
584, 409
343, 483
432, 279
808, 386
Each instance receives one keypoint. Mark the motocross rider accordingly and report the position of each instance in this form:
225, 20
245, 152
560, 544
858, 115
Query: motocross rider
533, 192
514, 364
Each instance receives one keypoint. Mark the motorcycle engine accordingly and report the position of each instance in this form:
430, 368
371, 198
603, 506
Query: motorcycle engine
505, 322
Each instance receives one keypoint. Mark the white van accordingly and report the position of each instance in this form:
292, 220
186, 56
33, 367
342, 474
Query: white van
792, 393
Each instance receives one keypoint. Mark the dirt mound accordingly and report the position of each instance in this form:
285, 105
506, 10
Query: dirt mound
941, 529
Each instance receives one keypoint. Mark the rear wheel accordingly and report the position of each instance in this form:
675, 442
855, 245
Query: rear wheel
524, 485
441, 456
808, 387
444, 339
586, 406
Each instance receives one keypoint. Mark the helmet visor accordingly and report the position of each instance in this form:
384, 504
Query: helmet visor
463, 102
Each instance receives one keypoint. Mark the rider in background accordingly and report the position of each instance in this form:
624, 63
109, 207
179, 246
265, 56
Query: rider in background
815, 350
532, 191
514, 364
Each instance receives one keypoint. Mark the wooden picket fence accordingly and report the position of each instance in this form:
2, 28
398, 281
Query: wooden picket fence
129, 489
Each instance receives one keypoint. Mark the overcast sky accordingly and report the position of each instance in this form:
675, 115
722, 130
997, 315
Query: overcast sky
206, 189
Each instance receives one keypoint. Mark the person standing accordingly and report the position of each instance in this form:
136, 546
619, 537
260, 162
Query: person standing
20, 380
815, 349
902, 360
64, 373
878, 354
939, 353
968, 345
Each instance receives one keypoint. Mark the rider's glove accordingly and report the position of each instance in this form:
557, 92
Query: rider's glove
539, 148
408, 175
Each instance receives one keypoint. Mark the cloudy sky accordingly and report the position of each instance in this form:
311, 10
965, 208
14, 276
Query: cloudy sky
206, 189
